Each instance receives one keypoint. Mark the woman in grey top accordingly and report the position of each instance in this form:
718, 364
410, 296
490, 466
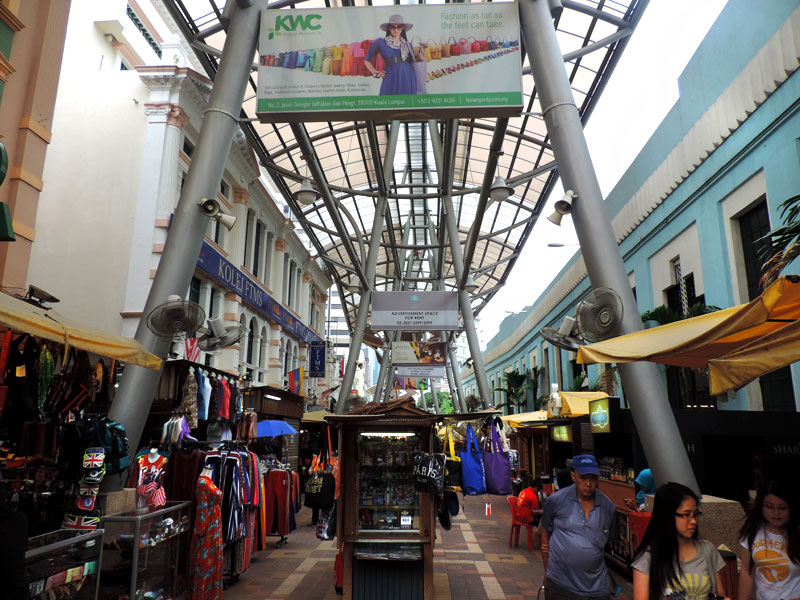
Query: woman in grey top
671, 561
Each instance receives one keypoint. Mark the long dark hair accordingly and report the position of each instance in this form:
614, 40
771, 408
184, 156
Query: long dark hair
661, 537
755, 519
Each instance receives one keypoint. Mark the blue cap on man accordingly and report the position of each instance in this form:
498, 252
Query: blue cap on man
585, 464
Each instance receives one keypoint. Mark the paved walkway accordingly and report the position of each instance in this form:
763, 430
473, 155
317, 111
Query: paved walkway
472, 561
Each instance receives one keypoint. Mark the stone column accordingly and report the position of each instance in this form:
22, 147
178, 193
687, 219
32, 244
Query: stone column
276, 272
235, 238
274, 366
303, 308
231, 312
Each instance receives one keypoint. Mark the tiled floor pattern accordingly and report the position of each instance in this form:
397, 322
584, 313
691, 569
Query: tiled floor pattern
472, 561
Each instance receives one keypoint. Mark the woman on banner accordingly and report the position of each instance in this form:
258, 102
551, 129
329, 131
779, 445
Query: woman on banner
398, 56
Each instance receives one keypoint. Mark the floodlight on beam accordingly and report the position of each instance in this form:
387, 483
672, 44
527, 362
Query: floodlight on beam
499, 190
470, 286
306, 195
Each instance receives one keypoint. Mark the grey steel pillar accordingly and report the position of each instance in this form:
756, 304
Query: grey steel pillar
182, 249
644, 388
432, 387
452, 386
457, 378
372, 261
464, 301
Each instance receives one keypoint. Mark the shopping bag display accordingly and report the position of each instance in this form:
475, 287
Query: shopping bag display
429, 473
452, 473
326, 525
472, 477
497, 466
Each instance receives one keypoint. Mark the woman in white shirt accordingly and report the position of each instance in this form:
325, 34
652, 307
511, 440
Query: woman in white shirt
671, 561
771, 539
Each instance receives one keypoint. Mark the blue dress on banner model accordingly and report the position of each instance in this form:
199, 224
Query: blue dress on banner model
400, 77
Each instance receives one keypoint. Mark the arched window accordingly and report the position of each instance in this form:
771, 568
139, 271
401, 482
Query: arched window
263, 361
251, 336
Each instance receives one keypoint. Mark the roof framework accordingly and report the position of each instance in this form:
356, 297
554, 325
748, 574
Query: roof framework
592, 35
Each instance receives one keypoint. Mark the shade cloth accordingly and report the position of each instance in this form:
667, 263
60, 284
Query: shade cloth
49, 325
736, 345
522, 419
574, 404
317, 416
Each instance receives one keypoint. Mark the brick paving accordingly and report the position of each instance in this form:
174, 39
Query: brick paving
472, 561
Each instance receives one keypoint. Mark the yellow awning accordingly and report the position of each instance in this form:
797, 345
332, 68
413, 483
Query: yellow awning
30, 319
317, 416
575, 404
524, 419
737, 344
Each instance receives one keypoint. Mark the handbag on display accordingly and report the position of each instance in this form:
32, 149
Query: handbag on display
301, 59
484, 45
476, 45
326, 524
452, 475
472, 477
320, 488
333, 464
497, 466
310, 54
455, 49
444, 47
429, 473
465, 45
491, 43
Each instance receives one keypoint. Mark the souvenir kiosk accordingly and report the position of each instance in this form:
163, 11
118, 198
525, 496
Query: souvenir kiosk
385, 527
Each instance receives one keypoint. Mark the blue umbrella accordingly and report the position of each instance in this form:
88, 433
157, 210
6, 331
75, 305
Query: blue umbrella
274, 429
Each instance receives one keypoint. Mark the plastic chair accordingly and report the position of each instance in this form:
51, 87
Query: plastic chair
513, 538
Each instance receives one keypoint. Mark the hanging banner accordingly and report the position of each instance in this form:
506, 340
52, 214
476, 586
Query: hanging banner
389, 62
415, 311
419, 353
316, 360
421, 371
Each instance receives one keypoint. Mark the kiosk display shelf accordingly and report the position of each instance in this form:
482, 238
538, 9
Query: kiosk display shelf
64, 564
146, 555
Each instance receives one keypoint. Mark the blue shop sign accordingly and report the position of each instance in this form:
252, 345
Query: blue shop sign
316, 360
221, 270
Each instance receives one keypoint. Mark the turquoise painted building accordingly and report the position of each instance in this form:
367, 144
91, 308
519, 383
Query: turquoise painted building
707, 184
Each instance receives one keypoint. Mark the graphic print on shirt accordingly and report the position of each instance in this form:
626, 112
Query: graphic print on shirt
771, 560
697, 587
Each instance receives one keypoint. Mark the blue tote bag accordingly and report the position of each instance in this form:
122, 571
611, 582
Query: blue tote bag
473, 482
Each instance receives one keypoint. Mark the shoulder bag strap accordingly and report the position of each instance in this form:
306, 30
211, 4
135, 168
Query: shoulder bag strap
450, 443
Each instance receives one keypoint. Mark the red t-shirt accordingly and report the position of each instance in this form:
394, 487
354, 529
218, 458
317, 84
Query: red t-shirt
527, 502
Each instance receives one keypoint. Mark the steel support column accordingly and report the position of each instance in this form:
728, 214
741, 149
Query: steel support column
642, 382
366, 293
182, 249
464, 301
462, 399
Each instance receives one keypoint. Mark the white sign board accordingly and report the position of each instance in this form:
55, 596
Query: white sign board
420, 371
408, 61
415, 311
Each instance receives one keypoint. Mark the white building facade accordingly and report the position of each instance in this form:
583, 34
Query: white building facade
130, 108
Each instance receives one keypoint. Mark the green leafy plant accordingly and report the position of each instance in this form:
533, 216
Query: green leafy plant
515, 387
781, 246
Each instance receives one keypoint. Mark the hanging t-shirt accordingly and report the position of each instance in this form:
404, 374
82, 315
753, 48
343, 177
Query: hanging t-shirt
693, 577
774, 574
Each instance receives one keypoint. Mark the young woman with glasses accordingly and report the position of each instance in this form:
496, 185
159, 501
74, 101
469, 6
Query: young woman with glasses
771, 539
671, 561
398, 57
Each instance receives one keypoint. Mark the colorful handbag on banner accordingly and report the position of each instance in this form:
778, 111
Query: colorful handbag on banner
452, 473
292, 60
317, 60
444, 48
484, 45
476, 45
497, 466
301, 59
436, 50
455, 49
310, 54
472, 477
514, 43
506, 43
465, 45
491, 43
327, 59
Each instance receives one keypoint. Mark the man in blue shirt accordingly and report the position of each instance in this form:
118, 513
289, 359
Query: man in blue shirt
576, 524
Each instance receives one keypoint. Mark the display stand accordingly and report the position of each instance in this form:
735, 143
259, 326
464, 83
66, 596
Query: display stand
629, 526
386, 528
64, 564
146, 553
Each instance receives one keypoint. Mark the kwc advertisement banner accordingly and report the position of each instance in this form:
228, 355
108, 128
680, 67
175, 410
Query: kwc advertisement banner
420, 61
223, 271
415, 311
419, 353
316, 360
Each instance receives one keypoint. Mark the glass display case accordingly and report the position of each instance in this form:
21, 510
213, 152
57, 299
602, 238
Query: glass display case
64, 564
386, 496
146, 554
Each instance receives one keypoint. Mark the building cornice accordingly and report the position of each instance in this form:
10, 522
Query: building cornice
10, 19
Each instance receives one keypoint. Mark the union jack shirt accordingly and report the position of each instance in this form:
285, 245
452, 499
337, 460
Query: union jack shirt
93, 458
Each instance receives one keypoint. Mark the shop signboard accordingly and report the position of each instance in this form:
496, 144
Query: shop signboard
561, 433
316, 360
600, 416
421, 371
415, 311
419, 353
333, 64
222, 270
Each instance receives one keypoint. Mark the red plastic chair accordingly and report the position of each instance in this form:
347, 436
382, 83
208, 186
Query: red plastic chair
513, 538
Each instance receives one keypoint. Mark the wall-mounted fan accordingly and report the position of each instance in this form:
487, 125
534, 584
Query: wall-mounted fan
175, 317
219, 336
566, 336
599, 315
473, 402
